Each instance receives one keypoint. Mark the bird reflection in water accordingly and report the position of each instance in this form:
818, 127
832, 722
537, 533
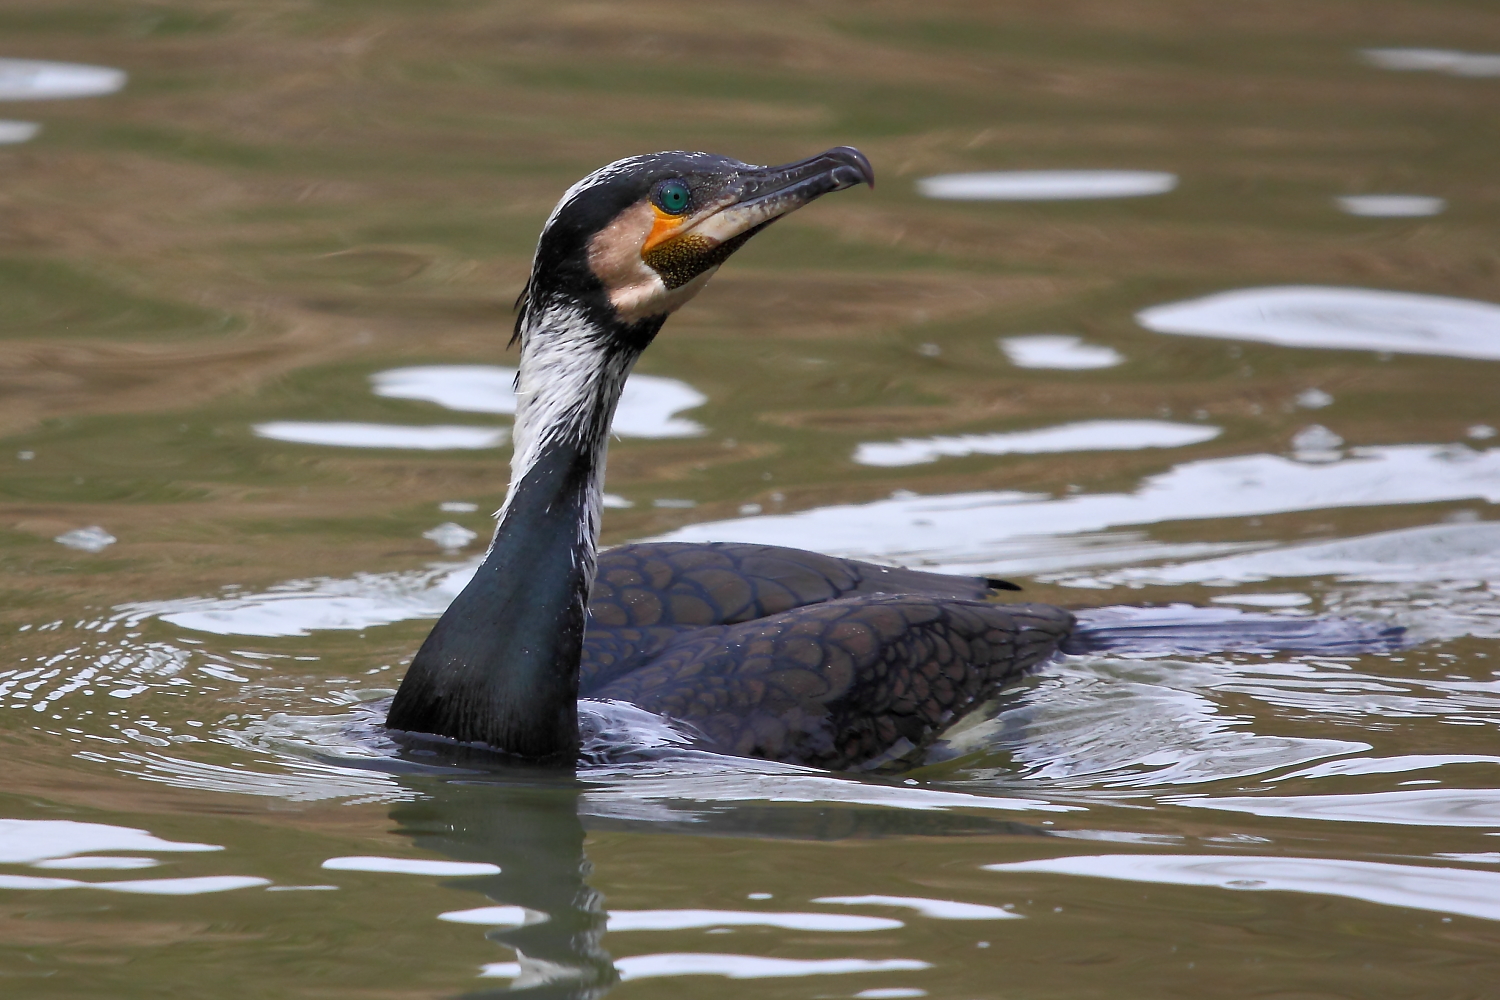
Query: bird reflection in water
527, 824
531, 823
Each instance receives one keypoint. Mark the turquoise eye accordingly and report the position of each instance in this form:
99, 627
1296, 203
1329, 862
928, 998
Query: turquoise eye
673, 197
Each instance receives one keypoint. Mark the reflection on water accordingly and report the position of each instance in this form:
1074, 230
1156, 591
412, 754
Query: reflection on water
676, 920
139, 886
12, 132
1022, 533
1090, 435
410, 866
1428, 554
1047, 185
648, 408
755, 967
65, 844
1103, 723
1390, 765
1391, 206
1050, 350
555, 923
450, 537
33, 80
101, 861
437, 437
30, 841
937, 909
90, 539
1479, 807
1446, 890
1455, 63
1344, 318
529, 834
302, 607
164, 695
996, 533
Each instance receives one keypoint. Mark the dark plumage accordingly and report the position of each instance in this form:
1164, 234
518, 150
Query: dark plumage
766, 652
791, 655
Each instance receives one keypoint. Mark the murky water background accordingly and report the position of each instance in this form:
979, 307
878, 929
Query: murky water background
1154, 302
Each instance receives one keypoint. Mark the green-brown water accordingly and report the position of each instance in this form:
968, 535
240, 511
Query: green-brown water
289, 198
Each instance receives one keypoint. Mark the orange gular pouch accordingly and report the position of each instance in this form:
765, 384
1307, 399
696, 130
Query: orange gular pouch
683, 258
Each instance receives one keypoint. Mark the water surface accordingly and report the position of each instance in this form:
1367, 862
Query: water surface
258, 264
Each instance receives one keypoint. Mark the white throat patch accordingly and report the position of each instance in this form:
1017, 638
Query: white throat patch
635, 289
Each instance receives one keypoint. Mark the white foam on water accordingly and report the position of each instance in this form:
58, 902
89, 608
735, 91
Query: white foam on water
1046, 185
890, 993
681, 920
24, 841
1391, 206
35, 80
936, 909
1450, 61
1049, 350
1443, 890
12, 132
410, 866
1089, 435
648, 403
340, 434
1452, 807
1341, 318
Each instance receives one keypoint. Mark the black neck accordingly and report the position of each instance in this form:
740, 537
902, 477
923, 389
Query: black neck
500, 668
501, 665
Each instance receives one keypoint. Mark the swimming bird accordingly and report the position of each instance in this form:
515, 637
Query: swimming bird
767, 652
762, 651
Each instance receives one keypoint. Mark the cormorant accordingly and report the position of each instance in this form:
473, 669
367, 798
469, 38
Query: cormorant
767, 652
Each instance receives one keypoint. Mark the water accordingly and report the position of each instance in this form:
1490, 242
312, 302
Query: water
253, 400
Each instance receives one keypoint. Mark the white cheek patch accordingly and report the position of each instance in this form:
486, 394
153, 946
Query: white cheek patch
640, 298
654, 298
634, 288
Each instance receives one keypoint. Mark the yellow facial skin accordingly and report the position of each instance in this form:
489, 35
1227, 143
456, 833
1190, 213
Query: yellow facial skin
663, 228
652, 262
617, 258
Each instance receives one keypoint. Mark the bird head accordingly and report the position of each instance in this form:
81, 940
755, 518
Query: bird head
634, 241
